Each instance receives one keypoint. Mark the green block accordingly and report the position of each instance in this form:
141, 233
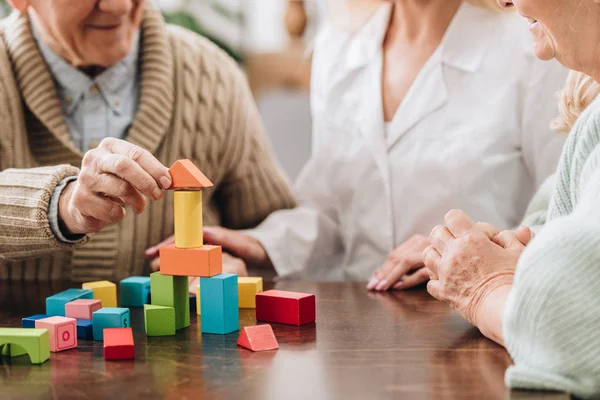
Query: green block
35, 342
159, 320
171, 291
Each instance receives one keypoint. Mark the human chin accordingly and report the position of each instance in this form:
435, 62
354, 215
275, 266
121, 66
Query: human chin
542, 46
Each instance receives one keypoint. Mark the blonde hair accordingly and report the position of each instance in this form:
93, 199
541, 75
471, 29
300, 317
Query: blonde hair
578, 93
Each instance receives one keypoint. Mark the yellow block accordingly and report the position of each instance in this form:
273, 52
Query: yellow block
198, 300
103, 290
247, 289
188, 219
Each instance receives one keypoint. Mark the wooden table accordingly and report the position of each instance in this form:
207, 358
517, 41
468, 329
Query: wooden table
402, 345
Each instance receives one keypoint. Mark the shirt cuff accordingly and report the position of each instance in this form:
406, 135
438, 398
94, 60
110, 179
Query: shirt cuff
53, 214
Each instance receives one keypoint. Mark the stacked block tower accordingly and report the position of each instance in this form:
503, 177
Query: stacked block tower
189, 256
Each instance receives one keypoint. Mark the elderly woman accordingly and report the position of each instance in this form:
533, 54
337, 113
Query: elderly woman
418, 107
106, 86
540, 300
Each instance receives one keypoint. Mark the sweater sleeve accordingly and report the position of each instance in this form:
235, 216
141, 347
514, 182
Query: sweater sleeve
552, 315
24, 203
537, 210
254, 185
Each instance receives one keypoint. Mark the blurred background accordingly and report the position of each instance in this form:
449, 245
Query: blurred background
271, 39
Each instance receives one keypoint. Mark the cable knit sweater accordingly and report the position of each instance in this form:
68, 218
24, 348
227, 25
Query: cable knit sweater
194, 103
552, 318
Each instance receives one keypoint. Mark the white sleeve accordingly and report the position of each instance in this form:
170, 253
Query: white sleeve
552, 315
540, 145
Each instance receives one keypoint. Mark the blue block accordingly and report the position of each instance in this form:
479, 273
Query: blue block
55, 305
135, 291
109, 318
29, 322
192, 303
219, 304
84, 329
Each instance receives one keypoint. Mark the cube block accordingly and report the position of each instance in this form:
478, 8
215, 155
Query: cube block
172, 291
188, 219
285, 307
219, 303
82, 308
201, 261
36, 342
29, 322
135, 291
159, 320
118, 344
55, 305
109, 318
258, 338
247, 289
62, 330
85, 329
198, 308
103, 290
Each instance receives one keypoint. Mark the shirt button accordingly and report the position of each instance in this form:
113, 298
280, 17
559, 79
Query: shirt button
117, 102
94, 90
93, 144
68, 99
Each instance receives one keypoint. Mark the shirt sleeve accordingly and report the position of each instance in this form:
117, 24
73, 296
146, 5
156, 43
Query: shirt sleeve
552, 315
541, 146
53, 214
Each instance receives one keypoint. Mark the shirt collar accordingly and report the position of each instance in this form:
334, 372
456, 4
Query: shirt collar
73, 84
462, 47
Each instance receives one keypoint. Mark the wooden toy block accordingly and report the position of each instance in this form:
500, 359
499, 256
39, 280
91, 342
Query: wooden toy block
85, 329
258, 338
159, 320
198, 309
29, 322
172, 291
36, 342
12, 350
82, 308
219, 303
192, 303
188, 219
285, 307
109, 318
62, 330
55, 305
103, 290
118, 344
135, 291
202, 261
186, 175
247, 289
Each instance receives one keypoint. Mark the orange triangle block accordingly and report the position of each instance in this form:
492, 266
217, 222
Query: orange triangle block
258, 338
186, 175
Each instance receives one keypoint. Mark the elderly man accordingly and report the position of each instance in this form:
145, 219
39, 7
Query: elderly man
97, 97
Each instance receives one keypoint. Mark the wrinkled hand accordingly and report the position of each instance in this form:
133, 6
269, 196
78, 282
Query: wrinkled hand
240, 245
115, 174
465, 265
401, 261
231, 265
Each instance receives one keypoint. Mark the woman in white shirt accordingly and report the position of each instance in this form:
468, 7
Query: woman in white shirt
425, 107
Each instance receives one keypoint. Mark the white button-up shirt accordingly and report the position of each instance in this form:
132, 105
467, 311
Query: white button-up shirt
472, 133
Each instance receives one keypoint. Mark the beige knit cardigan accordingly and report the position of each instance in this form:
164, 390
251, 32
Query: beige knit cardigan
194, 103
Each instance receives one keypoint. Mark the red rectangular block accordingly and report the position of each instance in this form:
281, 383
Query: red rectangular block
285, 307
118, 344
205, 261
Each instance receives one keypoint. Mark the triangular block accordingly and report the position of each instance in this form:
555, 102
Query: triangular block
258, 338
186, 175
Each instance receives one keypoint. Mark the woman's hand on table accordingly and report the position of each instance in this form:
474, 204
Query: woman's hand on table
115, 174
240, 245
394, 273
467, 262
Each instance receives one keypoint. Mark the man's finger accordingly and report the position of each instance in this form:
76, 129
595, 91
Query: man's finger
155, 264
127, 169
432, 259
441, 238
154, 250
458, 222
239, 244
116, 187
488, 229
524, 234
507, 239
434, 288
413, 280
142, 157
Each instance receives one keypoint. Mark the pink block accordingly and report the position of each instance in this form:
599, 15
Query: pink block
63, 332
82, 308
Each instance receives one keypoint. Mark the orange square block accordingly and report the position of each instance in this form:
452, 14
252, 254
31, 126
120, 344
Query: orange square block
205, 261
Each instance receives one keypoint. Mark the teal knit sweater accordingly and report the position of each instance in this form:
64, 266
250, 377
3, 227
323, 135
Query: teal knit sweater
552, 318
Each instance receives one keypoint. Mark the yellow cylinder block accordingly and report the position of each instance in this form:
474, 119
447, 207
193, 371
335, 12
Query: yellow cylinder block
188, 219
